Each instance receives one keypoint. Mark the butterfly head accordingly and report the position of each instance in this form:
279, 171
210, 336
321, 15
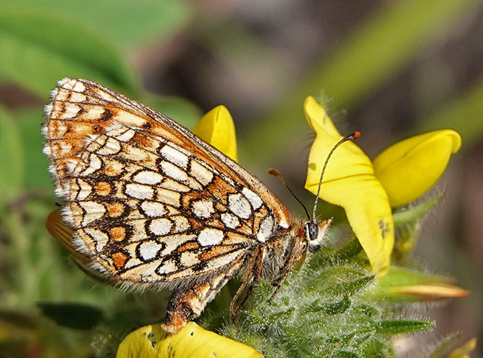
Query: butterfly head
316, 232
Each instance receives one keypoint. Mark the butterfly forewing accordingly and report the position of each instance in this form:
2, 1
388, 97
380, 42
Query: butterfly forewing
149, 201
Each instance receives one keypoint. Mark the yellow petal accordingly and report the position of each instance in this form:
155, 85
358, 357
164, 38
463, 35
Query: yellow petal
191, 342
409, 168
349, 182
216, 127
463, 351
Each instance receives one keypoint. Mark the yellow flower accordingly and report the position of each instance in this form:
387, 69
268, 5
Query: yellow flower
191, 342
400, 174
409, 168
216, 127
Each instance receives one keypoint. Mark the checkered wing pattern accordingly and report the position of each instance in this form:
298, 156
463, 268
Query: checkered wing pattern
151, 203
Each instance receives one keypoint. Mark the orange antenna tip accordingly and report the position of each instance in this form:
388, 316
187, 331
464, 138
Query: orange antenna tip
274, 172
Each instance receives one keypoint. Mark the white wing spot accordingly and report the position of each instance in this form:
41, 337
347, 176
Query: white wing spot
77, 97
188, 259
283, 224
148, 250
147, 177
160, 227
174, 156
126, 136
139, 191
111, 147
153, 209
209, 237
116, 130
94, 164
77, 86
174, 172
265, 229
93, 211
253, 198
230, 220
239, 206
84, 190
166, 268
71, 110
100, 238
203, 208
94, 112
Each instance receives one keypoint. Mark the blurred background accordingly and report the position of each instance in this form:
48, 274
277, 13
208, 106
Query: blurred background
390, 69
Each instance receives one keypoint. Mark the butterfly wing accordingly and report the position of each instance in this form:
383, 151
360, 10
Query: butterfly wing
148, 200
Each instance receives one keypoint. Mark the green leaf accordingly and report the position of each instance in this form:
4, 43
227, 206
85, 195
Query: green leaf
147, 19
402, 326
374, 348
366, 310
401, 276
349, 251
72, 315
415, 212
338, 307
12, 163
408, 225
349, 287
37, 49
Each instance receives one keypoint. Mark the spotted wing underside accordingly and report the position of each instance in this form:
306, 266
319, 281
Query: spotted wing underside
148, 200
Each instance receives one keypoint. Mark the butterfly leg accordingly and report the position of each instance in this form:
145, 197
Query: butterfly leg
251, 275
278, 284
288, 267
188, 302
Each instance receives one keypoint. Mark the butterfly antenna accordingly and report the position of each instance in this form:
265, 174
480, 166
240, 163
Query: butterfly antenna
352, 136
276, 173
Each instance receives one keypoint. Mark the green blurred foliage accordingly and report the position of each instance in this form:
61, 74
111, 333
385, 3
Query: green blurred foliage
44, 41
12, 159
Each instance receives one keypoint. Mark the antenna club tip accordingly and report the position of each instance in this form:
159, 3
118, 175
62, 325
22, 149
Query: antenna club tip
356, 135
274, 172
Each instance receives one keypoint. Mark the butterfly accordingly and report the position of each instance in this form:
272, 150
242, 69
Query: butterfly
151, 205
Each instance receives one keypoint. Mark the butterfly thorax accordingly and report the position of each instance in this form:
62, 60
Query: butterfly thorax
282, 249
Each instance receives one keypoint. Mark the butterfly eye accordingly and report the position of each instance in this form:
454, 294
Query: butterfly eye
316, 233
312, 230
